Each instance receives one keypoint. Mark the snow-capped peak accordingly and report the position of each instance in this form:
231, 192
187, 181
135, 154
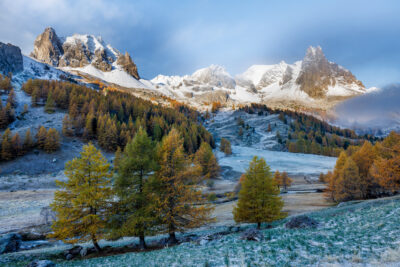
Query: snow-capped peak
214, 75
92, 43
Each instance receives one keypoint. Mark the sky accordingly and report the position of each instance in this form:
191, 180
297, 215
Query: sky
174, 37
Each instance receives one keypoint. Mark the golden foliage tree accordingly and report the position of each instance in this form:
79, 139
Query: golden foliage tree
282, 179
207, 161
177, 193
225, 146
386, 168
259, 199
6, 146
83, 201
348, 186
52, 141
41, 137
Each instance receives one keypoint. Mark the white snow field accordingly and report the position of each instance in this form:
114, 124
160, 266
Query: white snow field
293, 163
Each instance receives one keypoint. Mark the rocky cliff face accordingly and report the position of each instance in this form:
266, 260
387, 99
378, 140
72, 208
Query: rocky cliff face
10, 59
78, 51
125, 61
317, 74
48, 47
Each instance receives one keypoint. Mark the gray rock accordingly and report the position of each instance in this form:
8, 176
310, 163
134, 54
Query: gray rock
69, 257
10, 59
252, 235
48, 47
83, 252
10, 243
301, 221
41, 263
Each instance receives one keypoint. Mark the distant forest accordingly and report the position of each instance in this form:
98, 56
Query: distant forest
310, 135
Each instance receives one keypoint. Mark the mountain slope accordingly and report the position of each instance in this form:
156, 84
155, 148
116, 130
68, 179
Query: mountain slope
313, 82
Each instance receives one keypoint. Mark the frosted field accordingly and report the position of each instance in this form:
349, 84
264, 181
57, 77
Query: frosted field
360, 234
293, 163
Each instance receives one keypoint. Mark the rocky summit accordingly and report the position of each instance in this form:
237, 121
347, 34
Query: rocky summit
10, 58
78, 51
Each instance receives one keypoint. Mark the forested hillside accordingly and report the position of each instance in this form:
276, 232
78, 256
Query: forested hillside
112, 118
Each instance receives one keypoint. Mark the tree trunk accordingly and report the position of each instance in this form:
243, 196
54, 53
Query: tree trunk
258, 225
172, 238
142, 243
96, 245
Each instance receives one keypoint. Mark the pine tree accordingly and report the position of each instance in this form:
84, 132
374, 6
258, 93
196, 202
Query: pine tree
277, 178
50, 106
6, 146
52, 141
207, 161
35, 97
67, 126
83, 201
259, 199
136, 216
41, 137
177, 194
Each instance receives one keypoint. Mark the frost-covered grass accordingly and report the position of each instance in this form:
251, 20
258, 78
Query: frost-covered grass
357, 233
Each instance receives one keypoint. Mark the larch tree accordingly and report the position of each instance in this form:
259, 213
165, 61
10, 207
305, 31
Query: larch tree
50, 106
259, 199
386, 168
6, 146
82, 204
332, 179
225, 146
364, 157
177, 196
52, 141
284, 181
41, 137
207, 161
28, 141
135, 214
348, 186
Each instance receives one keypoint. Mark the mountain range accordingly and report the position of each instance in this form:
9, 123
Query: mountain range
313, 83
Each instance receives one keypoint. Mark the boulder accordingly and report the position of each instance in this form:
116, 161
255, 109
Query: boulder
10, 243
10, 59
74, 251
83, 252
41, 263
301, 221
252, 235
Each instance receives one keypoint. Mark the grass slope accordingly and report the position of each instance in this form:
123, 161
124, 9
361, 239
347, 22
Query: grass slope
352, 234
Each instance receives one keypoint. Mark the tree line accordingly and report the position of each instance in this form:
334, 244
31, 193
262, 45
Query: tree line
13, 146
112, 118
365, 172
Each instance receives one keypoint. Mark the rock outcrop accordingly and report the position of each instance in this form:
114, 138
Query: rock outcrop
125, 61
317, 74
48, 47
78, 51
10, 59
10, 243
